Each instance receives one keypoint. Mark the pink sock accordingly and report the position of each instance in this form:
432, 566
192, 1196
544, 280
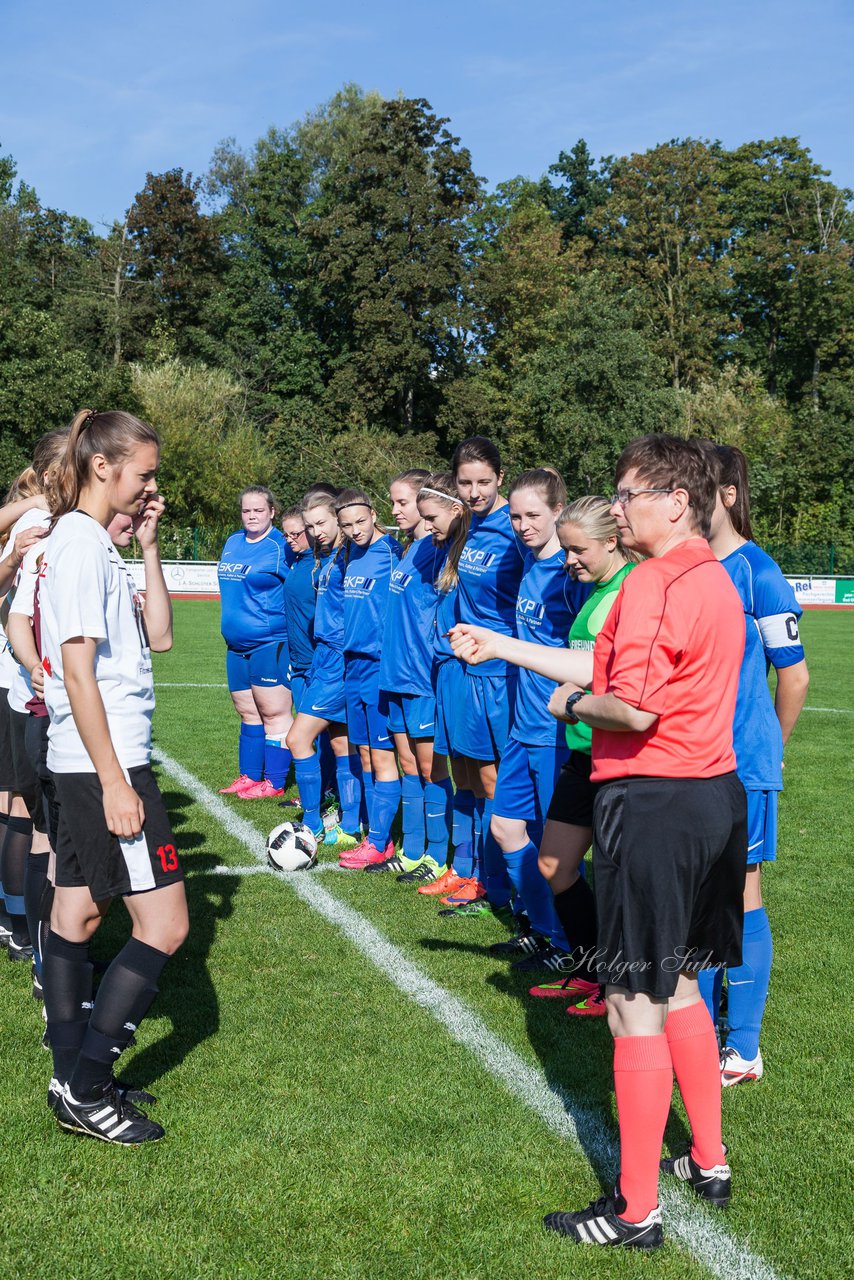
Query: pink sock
693, 1045
643, 1081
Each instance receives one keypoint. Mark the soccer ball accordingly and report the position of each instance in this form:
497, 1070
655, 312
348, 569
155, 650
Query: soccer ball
292, 846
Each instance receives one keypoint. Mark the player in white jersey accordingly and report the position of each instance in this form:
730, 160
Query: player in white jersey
23, 854
114, 837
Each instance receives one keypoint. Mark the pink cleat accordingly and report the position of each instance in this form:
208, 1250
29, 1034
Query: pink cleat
234, 788
364, 855
263, 790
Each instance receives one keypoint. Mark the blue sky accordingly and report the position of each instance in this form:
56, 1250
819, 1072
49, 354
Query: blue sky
93, 95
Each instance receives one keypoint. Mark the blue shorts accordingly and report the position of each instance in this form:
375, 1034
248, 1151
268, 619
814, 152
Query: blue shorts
366, 724
259, 666
527, 777
448, 680
299, 684
324, 692
409, 713
761, 826
480, 724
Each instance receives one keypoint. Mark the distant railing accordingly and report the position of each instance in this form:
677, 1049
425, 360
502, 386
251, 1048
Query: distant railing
812, 557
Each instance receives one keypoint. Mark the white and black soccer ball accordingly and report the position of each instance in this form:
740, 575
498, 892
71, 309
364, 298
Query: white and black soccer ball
292, 846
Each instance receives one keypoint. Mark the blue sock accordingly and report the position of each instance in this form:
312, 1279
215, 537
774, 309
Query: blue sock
414, 831
747, 986
349, 790
277, 762
462, 830
464, 860
438, 799
531, 886
384, 806
367, 796
493, 871
307, 774
250, 751
711, 982
328, 767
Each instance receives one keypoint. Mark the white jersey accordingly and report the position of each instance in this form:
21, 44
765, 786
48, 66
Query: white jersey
29, 520
87, 591
24, 603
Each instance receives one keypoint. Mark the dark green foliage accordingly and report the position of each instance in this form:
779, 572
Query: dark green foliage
367, 303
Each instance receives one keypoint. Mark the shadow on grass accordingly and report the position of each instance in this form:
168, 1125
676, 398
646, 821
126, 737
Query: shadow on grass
187, 995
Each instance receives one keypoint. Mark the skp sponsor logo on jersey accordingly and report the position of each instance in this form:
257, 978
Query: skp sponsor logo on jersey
474, 561
356, 585
232, 569
400, 580
530, 613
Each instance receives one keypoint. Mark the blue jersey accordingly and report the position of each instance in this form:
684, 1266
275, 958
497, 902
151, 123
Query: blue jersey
407, 654
549, 599
447, 615
490, 570
366, 590
771, 615
300, 602
251, 587
329, 609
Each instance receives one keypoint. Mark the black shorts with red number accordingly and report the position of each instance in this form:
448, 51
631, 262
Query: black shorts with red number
669, 861
574, 793
88, 855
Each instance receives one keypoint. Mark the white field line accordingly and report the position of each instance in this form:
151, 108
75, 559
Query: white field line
257, 868
834, 711
702, 1234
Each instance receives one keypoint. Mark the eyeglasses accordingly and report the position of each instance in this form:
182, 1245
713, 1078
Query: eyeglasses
624, 496
295, 534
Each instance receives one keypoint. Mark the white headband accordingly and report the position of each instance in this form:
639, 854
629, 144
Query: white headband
437, 493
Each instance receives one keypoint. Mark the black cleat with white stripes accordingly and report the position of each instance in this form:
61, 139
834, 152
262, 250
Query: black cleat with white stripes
111, 1119
712, 1185
600, 1223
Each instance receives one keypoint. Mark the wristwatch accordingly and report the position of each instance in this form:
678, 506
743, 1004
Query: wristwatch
570, 703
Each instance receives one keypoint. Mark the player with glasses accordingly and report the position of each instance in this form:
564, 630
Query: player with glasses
669, 830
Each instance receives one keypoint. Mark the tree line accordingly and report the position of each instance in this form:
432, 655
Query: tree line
346, 298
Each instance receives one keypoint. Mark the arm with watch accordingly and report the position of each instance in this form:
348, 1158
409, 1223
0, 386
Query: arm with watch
572, 704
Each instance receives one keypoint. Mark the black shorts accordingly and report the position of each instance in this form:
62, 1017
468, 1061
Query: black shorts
7, 775
26, 779
574, 793
89, 856
35, 739
669, 861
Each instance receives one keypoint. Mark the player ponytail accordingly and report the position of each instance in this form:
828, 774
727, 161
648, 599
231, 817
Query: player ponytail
442, 486
733, 475
113, 435
592, 513
545, 481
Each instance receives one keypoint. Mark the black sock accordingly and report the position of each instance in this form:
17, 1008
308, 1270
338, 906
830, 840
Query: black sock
16, 848
576, 910
5, 922
124, 997
67, 982
35, 879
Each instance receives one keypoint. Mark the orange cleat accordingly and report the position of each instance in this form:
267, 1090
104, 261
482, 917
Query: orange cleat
447, 882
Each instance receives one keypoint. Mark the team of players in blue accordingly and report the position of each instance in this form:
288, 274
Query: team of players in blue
351, 626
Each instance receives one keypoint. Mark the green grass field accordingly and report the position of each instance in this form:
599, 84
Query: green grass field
321, 1122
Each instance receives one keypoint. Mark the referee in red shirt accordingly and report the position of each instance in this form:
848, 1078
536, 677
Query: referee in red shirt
670, 832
